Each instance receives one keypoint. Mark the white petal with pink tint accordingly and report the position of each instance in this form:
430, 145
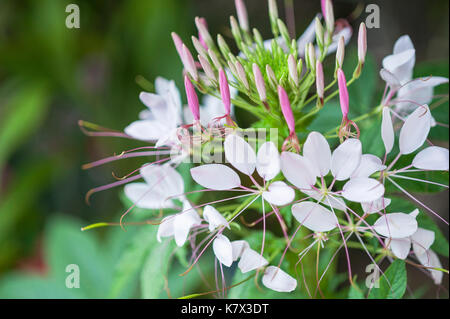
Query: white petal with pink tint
430, 259
415, 130
298, 170
346, 158
145, 197
390, 79
276, 279
268, 161
251, 260
387, 130
376, 205
362, 190
239, 246
396, 225
240, 154
166, 229
183, 223
422, 240
278, 193
369, 164
223, 250
146, 130
214, 218
215, 176
400, 247
329, 200
317, 150
432, 158
314, 216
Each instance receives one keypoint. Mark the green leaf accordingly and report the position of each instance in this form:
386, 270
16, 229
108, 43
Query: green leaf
155, 271
392, 285
130, 262
355, 293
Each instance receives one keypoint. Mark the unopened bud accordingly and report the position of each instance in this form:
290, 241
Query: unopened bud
319, 81
340, 52
273, 14
241, 74
199, 47
189, 63
214, 59
329, 17
271, 76
192, 98
362, 43
311, 56
319, 33
242, 14
259, 81
203, 32
343, 93
225, 91
235, 30
284, 32
207, 68
286, 109
292, 66
178, 45
223, 46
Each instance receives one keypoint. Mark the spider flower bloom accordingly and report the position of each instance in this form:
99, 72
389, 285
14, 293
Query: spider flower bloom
192, 98
289, 117
346, 125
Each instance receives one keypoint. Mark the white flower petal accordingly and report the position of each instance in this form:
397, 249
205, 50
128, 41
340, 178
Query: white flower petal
314, 216
214, 218
422, 240
346, 158
390, 79
376, 205
239, 246
334, 202
400, 247
387, 130
240, 154
279, 194
432, 158
251, 260
369, 164
166, 228
401, 64
223, 250
298, 170
402, 44
396, 225
415, 130
215, 176
317, 150
276, 279
268, 161
362, 190
183, 223
144, 197
430, 259
145, 130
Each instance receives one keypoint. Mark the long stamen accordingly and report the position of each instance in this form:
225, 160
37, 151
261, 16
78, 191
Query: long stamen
108, 186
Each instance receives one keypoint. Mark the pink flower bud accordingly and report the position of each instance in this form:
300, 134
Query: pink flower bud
200, 38
178, 45
362, 43
329, 16
192, 98
286, 109
241, 74
189, 63
207, 68
242, 14
203, 32
343, 93
292, 66
319, 80
225, 91
259, 81
340, 52
323, 6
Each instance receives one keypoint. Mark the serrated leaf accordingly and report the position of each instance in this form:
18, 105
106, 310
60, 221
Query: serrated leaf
392, 285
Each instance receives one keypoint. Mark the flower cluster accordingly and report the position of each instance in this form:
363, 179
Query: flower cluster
326, 182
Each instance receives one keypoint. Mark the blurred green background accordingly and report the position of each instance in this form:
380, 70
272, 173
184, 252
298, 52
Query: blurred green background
51, 77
